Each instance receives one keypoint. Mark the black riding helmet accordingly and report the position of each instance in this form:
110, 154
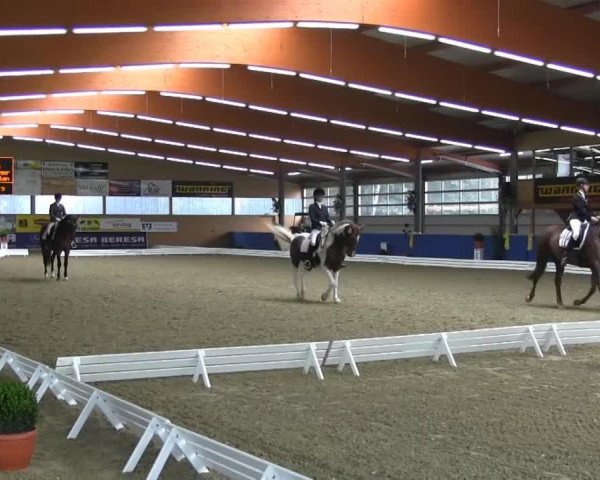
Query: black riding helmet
582, 181
58, 196
319, 191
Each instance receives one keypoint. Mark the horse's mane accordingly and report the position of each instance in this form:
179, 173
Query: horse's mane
339, 227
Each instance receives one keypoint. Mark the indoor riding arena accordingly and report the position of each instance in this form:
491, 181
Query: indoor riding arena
299, 240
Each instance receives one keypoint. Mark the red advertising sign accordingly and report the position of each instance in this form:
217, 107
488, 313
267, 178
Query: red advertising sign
7, 175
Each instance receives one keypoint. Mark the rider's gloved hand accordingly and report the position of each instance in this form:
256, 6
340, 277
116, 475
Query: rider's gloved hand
323, 224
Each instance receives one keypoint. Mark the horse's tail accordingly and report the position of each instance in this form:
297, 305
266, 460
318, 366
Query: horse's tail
283, 236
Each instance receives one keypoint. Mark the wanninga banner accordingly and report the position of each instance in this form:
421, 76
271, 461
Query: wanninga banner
202, 189
561, 190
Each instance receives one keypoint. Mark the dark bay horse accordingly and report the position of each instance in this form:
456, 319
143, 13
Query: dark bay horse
339, 241
51, 248
587, 257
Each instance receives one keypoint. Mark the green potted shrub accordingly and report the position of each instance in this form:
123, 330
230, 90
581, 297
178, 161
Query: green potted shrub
18, 416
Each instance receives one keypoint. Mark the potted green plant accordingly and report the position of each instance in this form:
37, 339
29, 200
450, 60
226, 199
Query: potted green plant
3, 235
18, 416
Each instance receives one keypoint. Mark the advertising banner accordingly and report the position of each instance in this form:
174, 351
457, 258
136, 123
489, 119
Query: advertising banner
120, 225
28, 178
8, 223
159, 226
58, 170
92, 186
88, 224
31, 223
27, 240
202, 189
156, 188
7, 175
66, 186
124, 188
107, 240
91, 170
561, 190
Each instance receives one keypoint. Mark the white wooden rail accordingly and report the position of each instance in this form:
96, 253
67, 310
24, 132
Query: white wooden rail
313, 355
202, 453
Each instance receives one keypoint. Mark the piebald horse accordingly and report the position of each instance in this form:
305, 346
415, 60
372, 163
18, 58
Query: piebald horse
335, 244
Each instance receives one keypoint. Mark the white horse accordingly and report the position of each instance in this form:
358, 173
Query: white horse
333, 246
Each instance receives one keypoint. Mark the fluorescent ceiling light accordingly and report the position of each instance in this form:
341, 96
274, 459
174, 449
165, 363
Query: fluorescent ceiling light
86, 70
204, 65
278, 71
154, 66
519, 58
423, 162
169, 142
348, 124
333, 25
121, 152
123, 92
136, 137
59, 142
29, 139
395, 159
308, 117
583, 131
268, 110
149, 155
455, 143
21, 32
263, 172
300, 143
421, 137
318, 78
225, 102
457, 106
233, 152
64, 112
574, 71
179, 160
34, 96
25, 73
110, 29
387, 131
115, 114
201, 147
102, 132
367, 88
263, 157
415, 98
19, 125
67, 127
208, 164
229, 132
321, 165
154, 119
489, 149
22, 114
294, 174
187, 96
238, 169
332, 149
264, 137
192, 125
73, 94
505, 116
468, 46
188, 28
406, 33
540, 123
364, 154
91, 147
505, 154
257, 25
293, 162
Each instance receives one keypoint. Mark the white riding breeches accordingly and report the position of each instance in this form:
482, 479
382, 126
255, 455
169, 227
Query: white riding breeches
313, 237
575, 225
49, 228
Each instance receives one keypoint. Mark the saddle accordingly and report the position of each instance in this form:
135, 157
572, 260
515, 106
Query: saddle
567, 235
49, 233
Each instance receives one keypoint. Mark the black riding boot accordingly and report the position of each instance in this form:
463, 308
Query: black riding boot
312, 261
566, 251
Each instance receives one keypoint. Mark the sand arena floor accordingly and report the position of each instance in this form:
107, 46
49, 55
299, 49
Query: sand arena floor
498, 416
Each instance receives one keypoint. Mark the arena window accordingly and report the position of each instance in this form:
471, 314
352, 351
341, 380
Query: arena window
137, 205
253, 206
74, 205
201, 206
15, 204
468, 196
384, 199
330, 194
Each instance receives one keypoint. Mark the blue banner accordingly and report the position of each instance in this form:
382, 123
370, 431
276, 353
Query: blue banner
91, 240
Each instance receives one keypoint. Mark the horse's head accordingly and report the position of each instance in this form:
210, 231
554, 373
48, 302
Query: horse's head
70, 222
350, 237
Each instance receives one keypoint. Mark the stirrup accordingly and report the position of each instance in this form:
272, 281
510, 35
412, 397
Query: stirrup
308, 265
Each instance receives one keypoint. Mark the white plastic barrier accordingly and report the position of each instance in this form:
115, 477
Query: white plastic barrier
395, 260
204, 362
14, 252
203, 454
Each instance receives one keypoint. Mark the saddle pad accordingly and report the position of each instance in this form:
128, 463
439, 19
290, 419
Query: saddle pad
305, 243
565, 238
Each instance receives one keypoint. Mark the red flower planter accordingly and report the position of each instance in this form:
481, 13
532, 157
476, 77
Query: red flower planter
16, 450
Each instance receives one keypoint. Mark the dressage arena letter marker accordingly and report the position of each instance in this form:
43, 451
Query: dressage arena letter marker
530, 340
444, 349
96, 400
347, 357
201, 368
313, 361
554, 338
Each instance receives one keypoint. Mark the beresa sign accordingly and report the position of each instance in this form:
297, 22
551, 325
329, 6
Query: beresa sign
202, 189
7, 175
561, 190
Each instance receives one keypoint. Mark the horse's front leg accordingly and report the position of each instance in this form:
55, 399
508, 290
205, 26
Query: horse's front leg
297, 283
58, 265
52, 257
336, 277
593, 287
331, 277
66, 277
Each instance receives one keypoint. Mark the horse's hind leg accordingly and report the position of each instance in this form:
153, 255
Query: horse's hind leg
58, 265
331, 277
52, 257
593, 287
296, 274
66, 277
301, 272
560, 270
534, 276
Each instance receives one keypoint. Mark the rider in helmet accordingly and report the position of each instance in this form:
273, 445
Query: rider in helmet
57, 213
580, 213
319, 218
